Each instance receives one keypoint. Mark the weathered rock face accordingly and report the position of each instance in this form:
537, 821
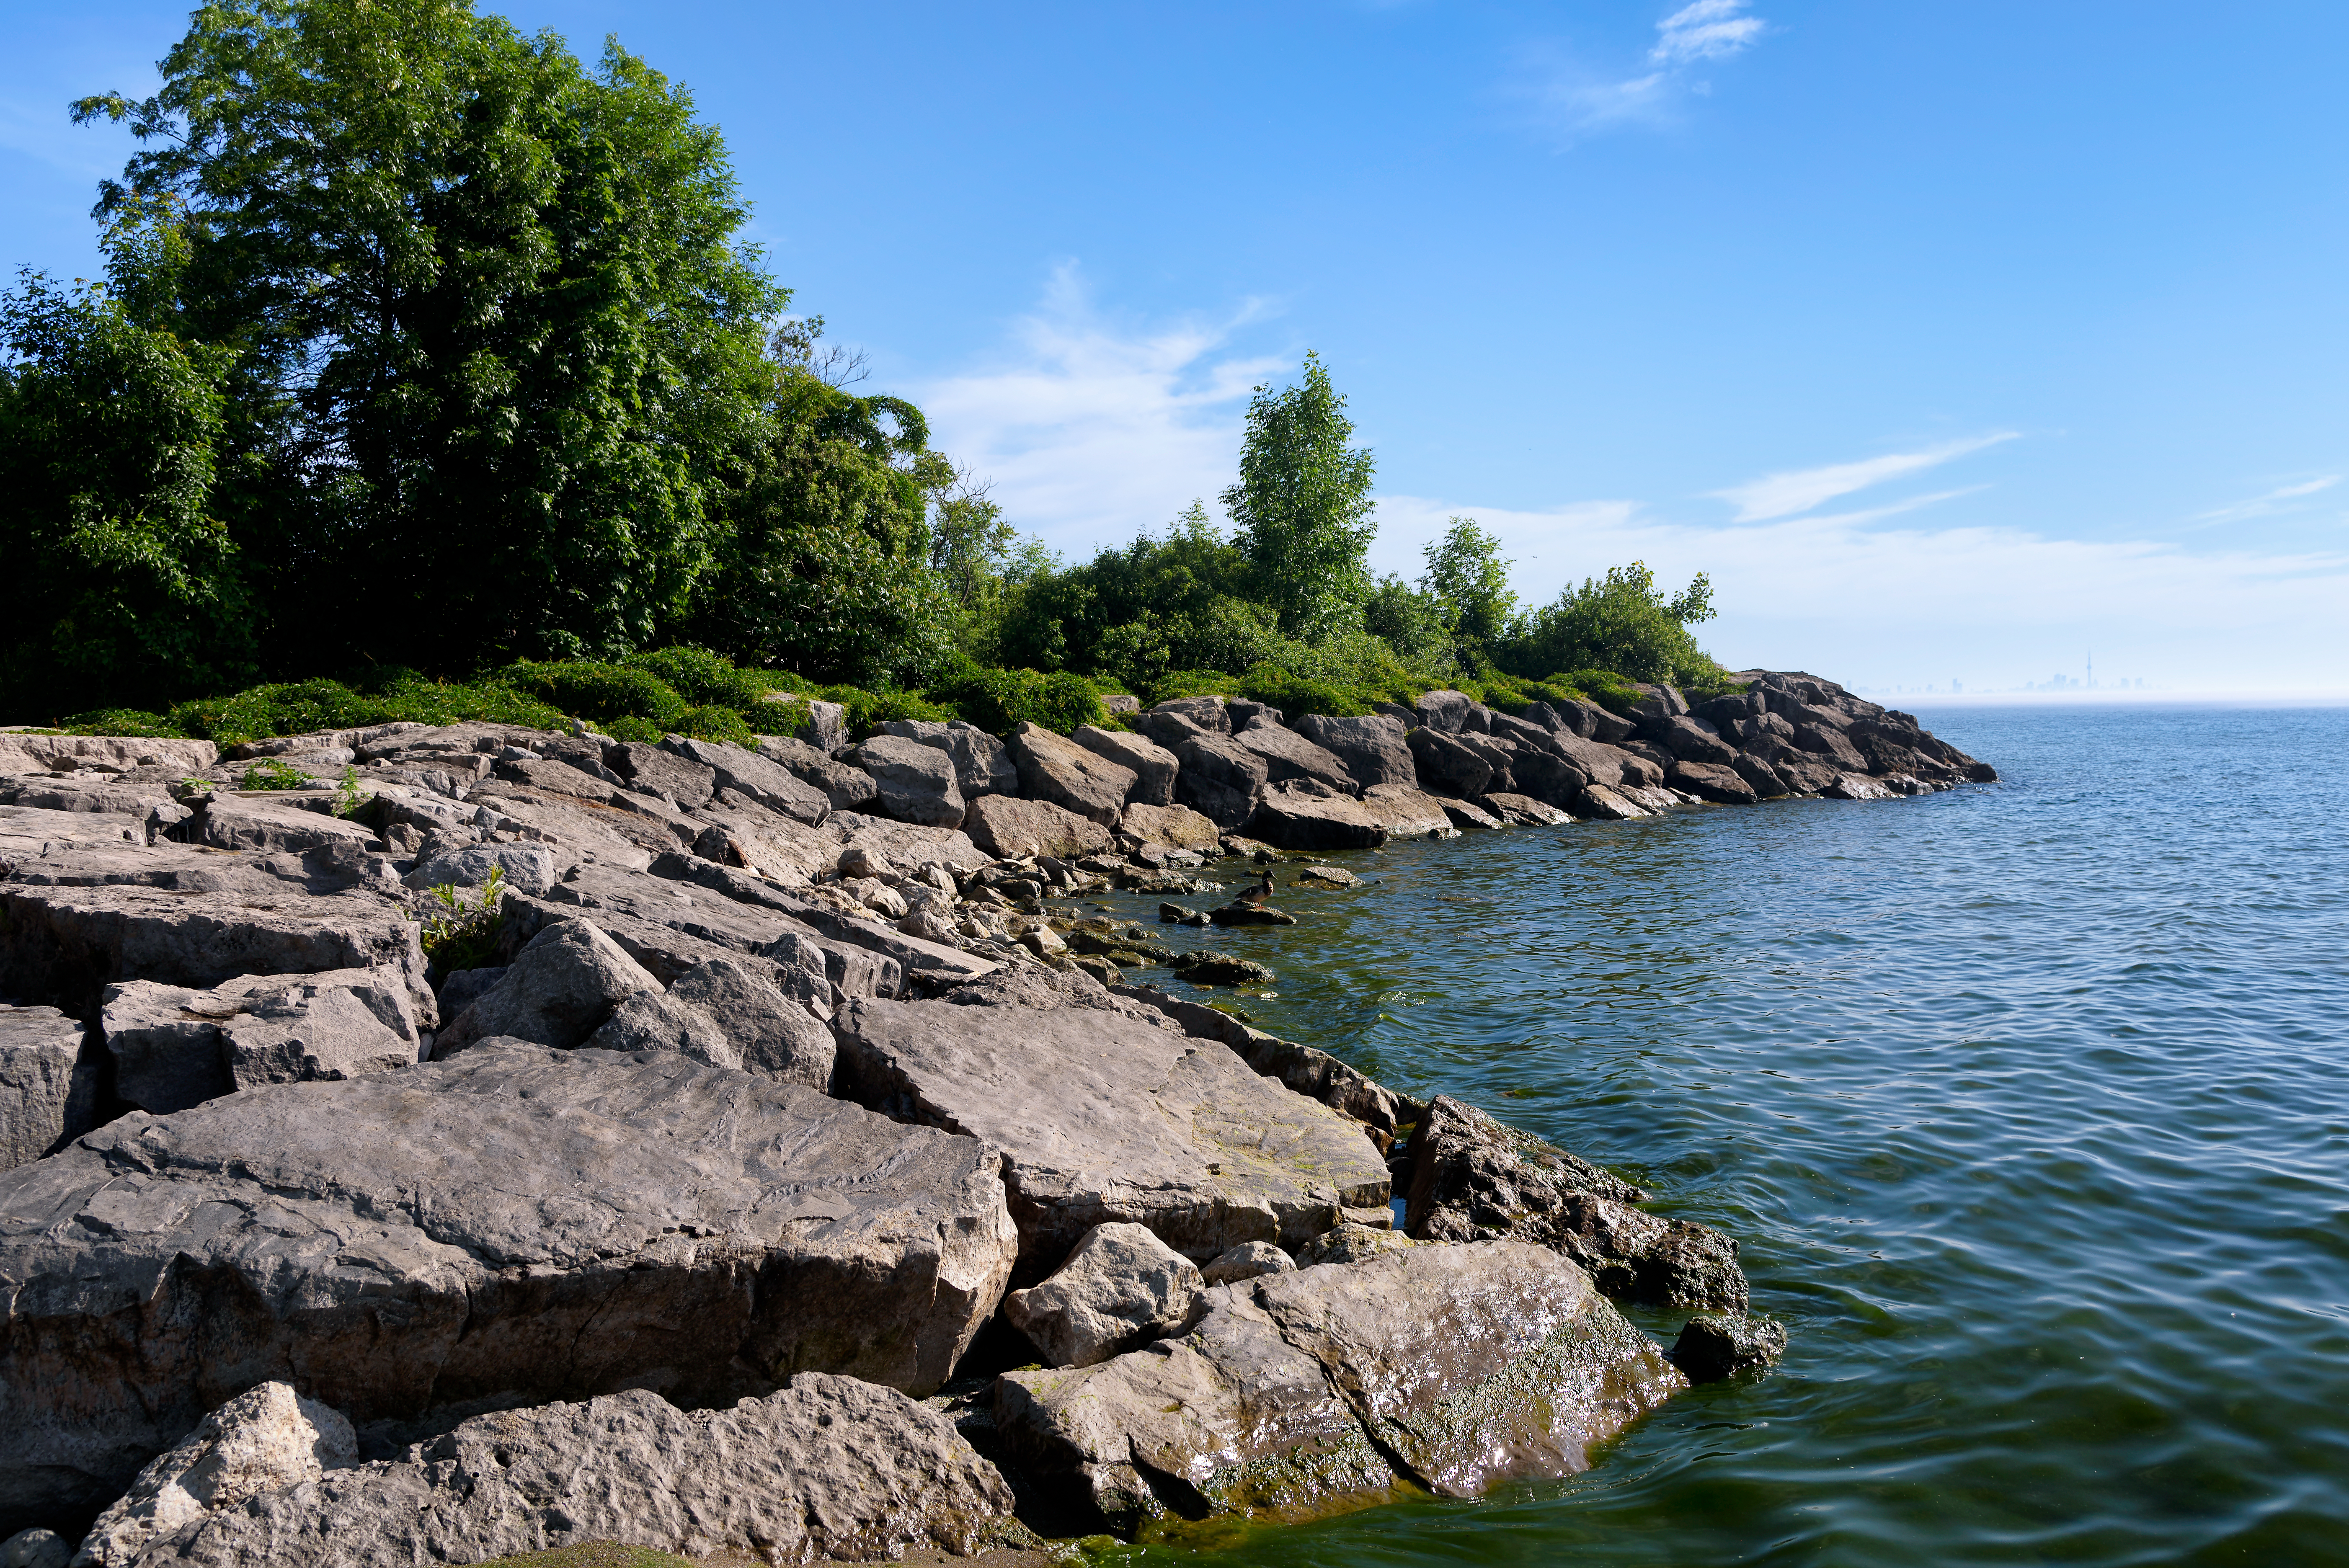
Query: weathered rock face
846, 788
1056, 768
1173, 827
1716, 1345
826, 727
1103, 1118
1220, 780
982, 765
517, 1221
915, 783
1706, 782
1153, 766
1446, 762
48, 1083
265, 1439
1408, 814
1449, 712
1122, 1288
1203, 715
1453, 1369
1302, 816
1354, 1242
1011, 829
525, 868
761, 779
1523, 810
1586, 719
258, 823
1289, 755
559, 989
682, 779
828, 1468
60, 753
727, 1012
1371, 748
1472, 1179
1249, 1260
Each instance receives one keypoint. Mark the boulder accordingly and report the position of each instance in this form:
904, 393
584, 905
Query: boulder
1408, 814
560, 988
1607, 764
760, 779
48, 1083
726, 1012
1858, 787
37, 1548
1472, 1179
1717, 1344
62, 946
1173, 827
1120, 1288
22, 753
1249, 1260
1191, 716
1322, 876
826, 726
1538, 771
266, 1440
1289, 755
1054, 768
1523, 810
1574, 716
1446, 1369
267, 826
1011, 829
525, 868
982, 765
1448, 764
1353, 1243
1693, 740
1606, 805
1102, 1116
1657, 705
1465, 814
659, 772
1299, 817
825, 1468
1371, 748
1153, 766
846, 788
1220, 780
1315, 1074
1119, 702
519, 1223
1448, 712
1707, 781
915, 783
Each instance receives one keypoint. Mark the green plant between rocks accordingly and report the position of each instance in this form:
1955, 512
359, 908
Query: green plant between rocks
271, 774
349, 797
463, 936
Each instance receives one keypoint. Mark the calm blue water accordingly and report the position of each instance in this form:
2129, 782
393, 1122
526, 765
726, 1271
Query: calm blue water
2027, 1102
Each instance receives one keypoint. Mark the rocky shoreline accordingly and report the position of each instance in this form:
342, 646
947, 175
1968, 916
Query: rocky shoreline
486, 1140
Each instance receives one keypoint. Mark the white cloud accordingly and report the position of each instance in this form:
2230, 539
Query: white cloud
1090, 433
2266, 505
1708, 30
1800, 490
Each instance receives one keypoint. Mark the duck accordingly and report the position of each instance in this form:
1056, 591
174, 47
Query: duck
1259, 894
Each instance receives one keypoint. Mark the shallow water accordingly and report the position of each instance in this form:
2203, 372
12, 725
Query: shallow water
2026, 1102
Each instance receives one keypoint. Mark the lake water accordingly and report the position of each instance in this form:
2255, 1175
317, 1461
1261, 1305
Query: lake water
2027, 1102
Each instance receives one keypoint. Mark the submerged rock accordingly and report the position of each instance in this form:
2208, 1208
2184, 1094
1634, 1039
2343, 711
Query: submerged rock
1716, 1345
1447, 1368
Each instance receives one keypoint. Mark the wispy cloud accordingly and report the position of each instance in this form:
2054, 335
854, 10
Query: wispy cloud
1578, 99
1090, 430
1800, 490
2275, 500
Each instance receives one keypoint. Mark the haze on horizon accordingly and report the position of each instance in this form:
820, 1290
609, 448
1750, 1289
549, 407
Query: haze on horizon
1956, 343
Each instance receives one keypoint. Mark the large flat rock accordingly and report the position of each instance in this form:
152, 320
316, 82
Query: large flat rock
518, 1222
1447, 1370
57, 753
826, 1469
1102, 1116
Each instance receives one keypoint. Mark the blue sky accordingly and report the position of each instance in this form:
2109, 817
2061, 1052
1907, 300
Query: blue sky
1954, 341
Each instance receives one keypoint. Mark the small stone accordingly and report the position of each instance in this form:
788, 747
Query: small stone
1717, 1344
1122, 1288
1351, 1244
1174, 914
1249, 1260
1220, 969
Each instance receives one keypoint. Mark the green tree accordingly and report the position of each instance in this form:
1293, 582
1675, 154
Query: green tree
124, 587
1302, 505
1466, 575
494, 334
1623, 624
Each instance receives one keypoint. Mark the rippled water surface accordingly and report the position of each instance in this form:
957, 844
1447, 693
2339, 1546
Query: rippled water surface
2026, 1101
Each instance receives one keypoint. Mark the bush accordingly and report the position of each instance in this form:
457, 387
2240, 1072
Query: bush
999, 701
294, 707
1295, 696
705, 678
1622, 623
119, 721
591, 689
712, 722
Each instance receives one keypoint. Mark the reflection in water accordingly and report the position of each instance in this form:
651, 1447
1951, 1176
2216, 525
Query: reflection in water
2027, 1102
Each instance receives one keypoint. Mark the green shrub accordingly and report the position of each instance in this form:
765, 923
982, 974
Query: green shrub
294, 707
1188, 682
406, 697
592, 689
998, 700
712, 722
1605, 687
705, 678
120, 721
464, 935
1295, 696
628, 727
271, 774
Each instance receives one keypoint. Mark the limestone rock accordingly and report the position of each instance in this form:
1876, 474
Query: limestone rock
1316, 1074
1472, 1179
560, 988
1011, 829
1104, 1118
320, 1027
650, 768
827, 1468
1454, 1369
1220, 780
727, 1012
1456, 766
848, 789
48, 1083
265, 1439
1122, 1288
250, 822
528, 868
35, 1548
60, 753
1181, 718
1301, 817
1352, 1243
1249, 1260
519, 1221
1153, 766
1586, 719
982, 765
1175, 827
1713, 1345
1448, 712
1467, 814
1056, 768
826, 726
1707, 781
1289, 755
1372, 748
915, 782
761, 779
1606, 804
1524, 811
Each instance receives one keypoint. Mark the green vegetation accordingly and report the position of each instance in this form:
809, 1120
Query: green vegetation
272, 774
464, 935
431, 356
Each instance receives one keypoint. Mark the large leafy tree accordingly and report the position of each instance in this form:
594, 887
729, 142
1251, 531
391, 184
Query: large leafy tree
1467, 577
123, 584
1302, 505
495, 338
1622, 623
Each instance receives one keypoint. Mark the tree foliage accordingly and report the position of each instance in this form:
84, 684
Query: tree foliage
1621, 623
1468, 580
1302, 505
